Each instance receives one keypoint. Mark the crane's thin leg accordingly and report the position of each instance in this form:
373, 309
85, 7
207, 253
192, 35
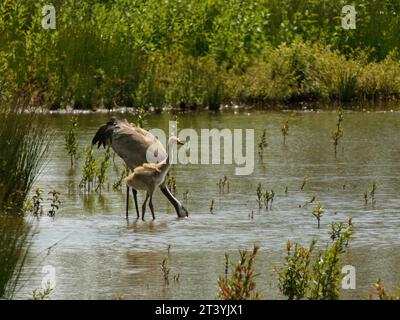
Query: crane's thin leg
144, 205
151, 207
127, 201
136, 204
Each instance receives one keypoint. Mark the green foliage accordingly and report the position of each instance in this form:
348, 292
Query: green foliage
196, 54
88, 170
101, 171
263, 143
315, 275
318, 212
337, 133
259, 195
55, 203
241, 285
285, 130
71, 143
23, 144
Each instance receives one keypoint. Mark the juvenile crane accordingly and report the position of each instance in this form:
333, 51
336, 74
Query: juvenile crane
150, 175
131, 143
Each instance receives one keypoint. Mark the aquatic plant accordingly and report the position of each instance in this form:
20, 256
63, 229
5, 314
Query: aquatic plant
305, 180
285, 130
268, 198
313, 199
263, 143
41, 295
55, 203
122, 174
241, 284
260, 196
101, 171
382, 294
223, 184
37, 200
88, 170
311, 275
165, 271
171, 183
374, 188
212, 207
71, 143
318, 212
337, 133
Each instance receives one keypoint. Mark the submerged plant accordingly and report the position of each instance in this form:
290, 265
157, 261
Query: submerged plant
71, 143
318, 212
269, 198
88, 170
263, 143
55, 203
374, 188
337, 133
259, 195
37, 200
241, 284
117, 185
285, 130
305, 180
42, 295
223, 183
171, 183
165, 269
101, 171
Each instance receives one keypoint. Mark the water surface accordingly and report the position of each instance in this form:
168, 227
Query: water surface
98, 254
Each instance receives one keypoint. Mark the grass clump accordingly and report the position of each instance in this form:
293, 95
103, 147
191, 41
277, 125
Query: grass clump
24, 143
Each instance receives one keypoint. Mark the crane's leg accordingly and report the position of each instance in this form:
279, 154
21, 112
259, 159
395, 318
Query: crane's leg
151, 207
134, 192
127, 201
144, 205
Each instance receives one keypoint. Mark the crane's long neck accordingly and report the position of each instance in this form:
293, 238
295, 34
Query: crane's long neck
168, 161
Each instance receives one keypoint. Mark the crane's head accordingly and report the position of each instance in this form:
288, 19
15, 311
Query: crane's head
173, 141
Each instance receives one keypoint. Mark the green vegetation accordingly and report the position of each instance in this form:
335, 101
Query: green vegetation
311, 275
23, 151
263, 143
181, 53
71, 144
337, 133
241, 285
318, 212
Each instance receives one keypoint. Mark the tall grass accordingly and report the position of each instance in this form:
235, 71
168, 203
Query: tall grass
23, 145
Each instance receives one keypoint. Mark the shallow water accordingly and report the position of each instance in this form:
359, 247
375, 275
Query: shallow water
97, 253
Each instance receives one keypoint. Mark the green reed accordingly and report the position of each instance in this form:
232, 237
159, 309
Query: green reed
337, 133
71, 143
285, 130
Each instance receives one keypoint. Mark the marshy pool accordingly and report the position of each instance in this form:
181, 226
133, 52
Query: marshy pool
98, 254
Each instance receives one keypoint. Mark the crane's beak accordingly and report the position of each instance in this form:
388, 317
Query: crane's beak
180, 142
